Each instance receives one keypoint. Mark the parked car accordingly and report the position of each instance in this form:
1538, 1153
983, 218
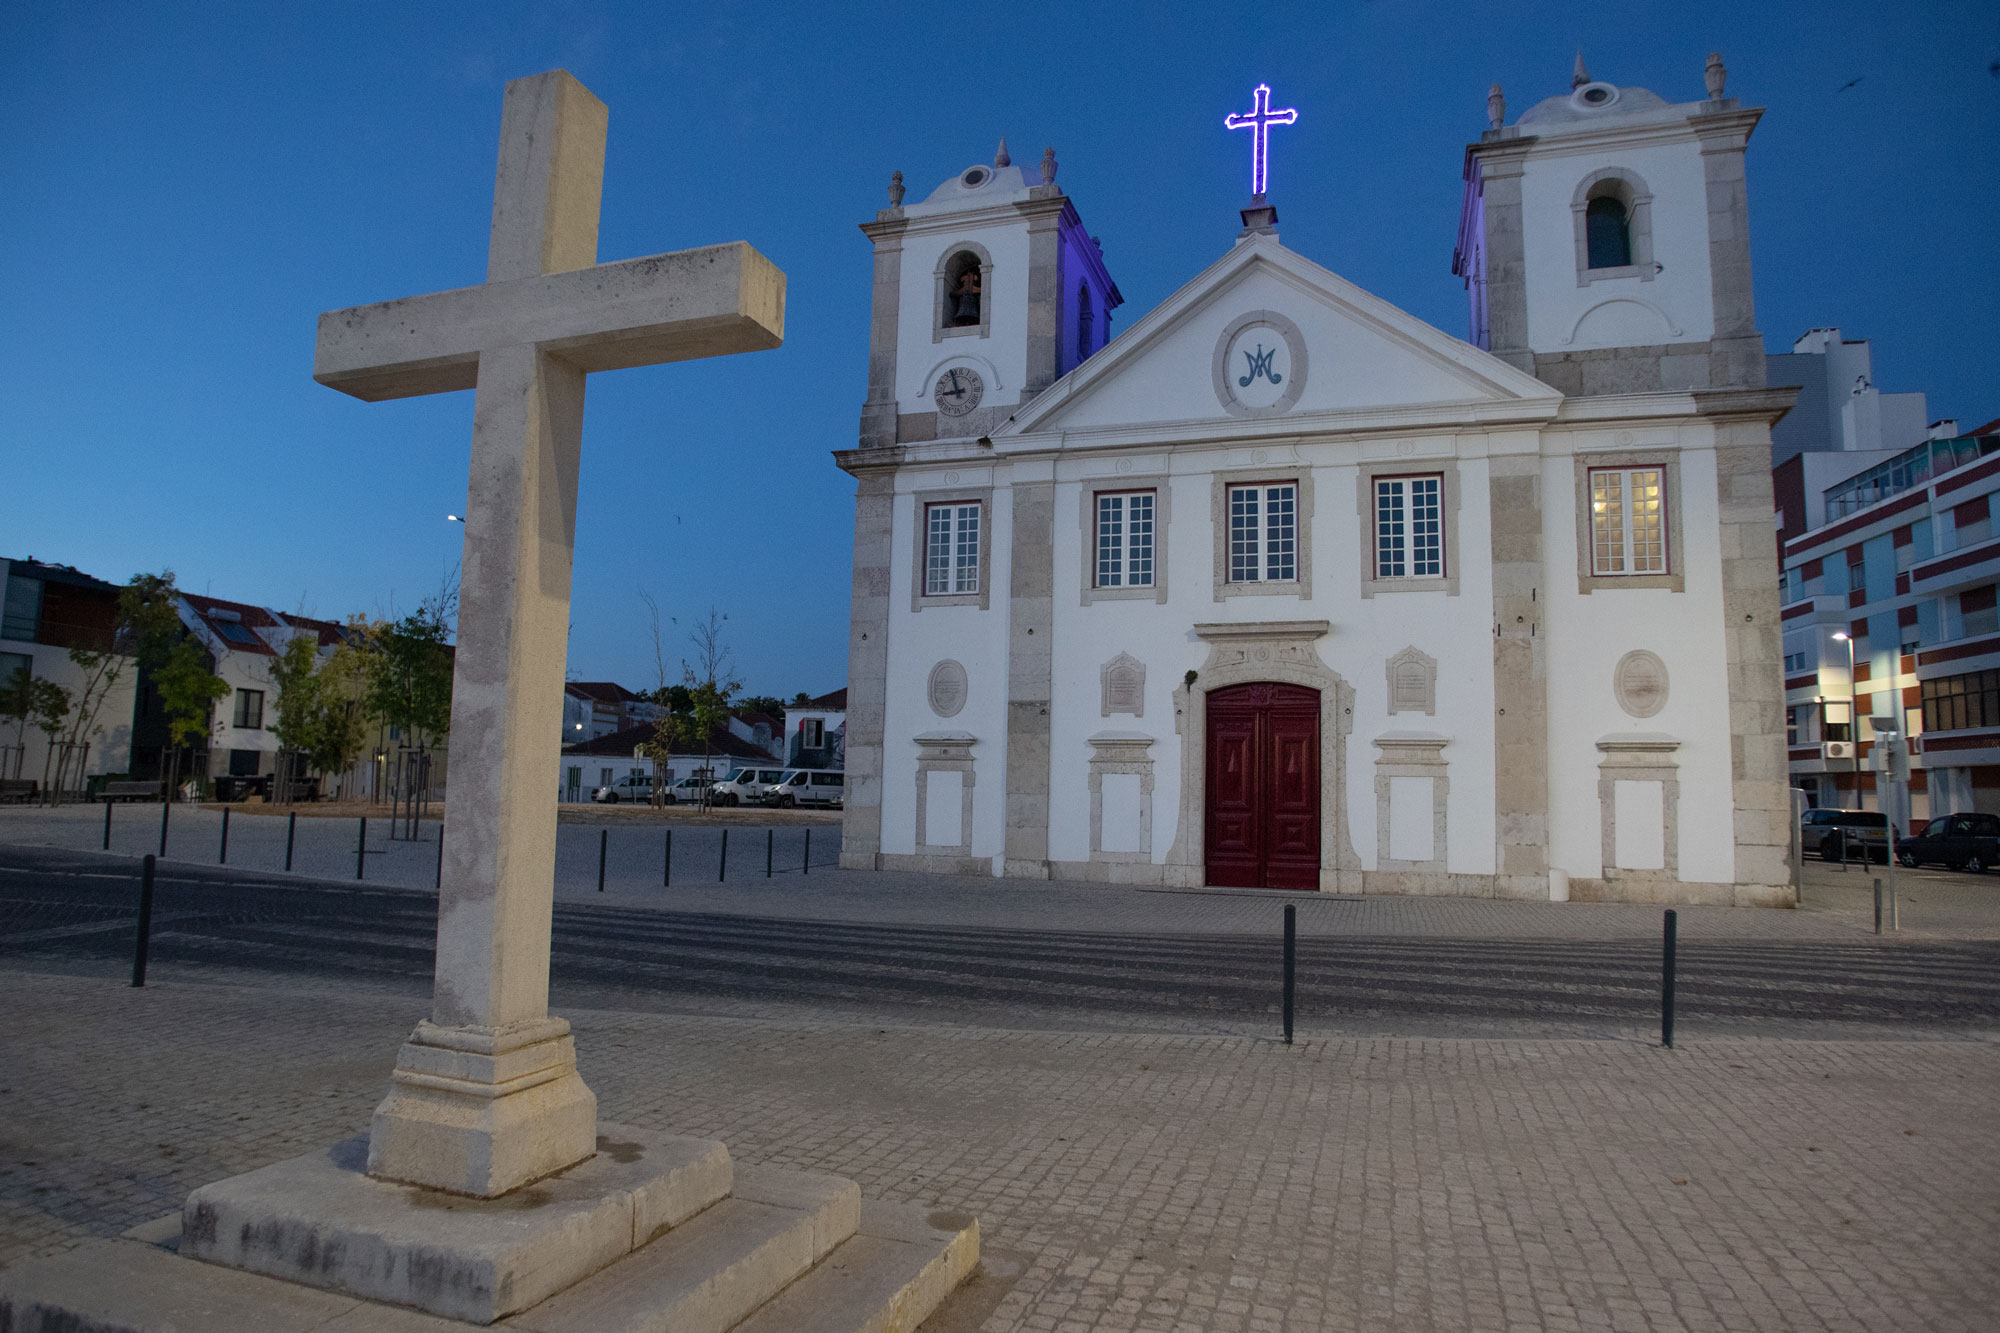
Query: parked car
631, 787
1956, 842
746, 785
809, 786
689, 791
1834, 834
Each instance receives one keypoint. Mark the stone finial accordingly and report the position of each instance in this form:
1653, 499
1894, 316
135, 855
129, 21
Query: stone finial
1000, 158
1496, 106
1048, 166
895, 189
1582, 75
1714, 76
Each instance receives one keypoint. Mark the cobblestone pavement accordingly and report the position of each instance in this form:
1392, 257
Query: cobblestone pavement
1147, 1182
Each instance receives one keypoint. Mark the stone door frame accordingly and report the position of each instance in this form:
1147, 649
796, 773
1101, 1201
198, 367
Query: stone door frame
1279, 651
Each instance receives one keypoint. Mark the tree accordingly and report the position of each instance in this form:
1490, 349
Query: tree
701, 704
17, 705
768, 704
409, 680
49, 704
188, 693
319, 709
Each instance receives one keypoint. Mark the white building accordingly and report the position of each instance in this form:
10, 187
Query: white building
816, 731
1839, 409
1285, 587
45, 610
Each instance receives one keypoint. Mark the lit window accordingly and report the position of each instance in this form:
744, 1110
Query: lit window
1264, 533
1125, 540
951, 549
1628, 521
1409, 528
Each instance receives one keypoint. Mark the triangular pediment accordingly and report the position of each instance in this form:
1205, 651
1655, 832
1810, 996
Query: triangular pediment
1310, 349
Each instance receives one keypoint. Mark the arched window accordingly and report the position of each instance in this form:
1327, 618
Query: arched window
961, 290
1608, 232
1084, 319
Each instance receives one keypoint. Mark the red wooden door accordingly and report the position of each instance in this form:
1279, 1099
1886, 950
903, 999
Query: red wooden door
1263, 786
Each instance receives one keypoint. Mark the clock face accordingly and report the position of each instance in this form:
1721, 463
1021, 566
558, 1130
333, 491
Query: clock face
958, 391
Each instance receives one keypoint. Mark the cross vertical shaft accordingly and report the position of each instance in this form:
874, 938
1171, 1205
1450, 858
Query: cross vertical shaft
486, 1095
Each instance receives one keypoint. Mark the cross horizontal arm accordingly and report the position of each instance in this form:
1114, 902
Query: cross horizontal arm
681, 306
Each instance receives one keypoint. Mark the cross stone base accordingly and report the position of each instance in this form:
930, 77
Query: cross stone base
482, 1111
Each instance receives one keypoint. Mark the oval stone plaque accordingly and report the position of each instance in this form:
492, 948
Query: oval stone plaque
947, 688
1640, 683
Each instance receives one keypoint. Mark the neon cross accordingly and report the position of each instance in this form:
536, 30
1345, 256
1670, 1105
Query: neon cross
1259, 122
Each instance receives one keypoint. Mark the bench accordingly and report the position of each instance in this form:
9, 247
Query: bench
18, 789
131, 791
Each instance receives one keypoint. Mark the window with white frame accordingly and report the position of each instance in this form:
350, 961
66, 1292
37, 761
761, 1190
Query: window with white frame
250, 709
951, 548
1125, 530
1795, 662
1628, 521
1264, 533
1409, 527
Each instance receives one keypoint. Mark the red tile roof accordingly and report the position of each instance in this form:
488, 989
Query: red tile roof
253, 618
835, 702
601, 691
621, 743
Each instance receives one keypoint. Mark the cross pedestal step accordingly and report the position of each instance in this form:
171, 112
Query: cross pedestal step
707, 1247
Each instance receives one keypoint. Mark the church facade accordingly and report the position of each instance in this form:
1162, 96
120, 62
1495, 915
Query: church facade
1283, 587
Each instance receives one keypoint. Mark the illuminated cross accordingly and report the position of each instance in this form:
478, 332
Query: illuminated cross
1259, 123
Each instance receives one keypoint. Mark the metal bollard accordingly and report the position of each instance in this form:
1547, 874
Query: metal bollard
361, 849
1291, 949
145, 939
723, 873
107, 823
166, 809
1878, 907
222, 853
603, 845
667, 863
1895, 912
770, 835
291, 836
440, 869
1672, 930
809, 851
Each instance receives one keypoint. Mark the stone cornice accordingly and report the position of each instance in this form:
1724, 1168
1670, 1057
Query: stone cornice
890, 222
1766, 405
1261, 631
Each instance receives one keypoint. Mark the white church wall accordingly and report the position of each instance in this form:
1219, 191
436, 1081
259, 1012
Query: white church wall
1679, 291
1590, 634
918, 641
1003, 350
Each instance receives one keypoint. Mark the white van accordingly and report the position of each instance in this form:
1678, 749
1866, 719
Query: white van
746, 785
809, 786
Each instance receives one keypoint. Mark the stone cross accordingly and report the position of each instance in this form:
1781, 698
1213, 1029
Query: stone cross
485, 1096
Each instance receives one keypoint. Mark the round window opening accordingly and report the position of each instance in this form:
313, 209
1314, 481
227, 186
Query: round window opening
1596, 95
975, 177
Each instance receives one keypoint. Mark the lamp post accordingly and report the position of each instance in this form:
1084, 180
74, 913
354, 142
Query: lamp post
1853, 716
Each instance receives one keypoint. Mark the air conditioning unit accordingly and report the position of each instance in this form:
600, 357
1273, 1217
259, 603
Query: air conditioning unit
1838, 749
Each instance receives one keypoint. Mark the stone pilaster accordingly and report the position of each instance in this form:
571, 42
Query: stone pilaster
868, 669
1736, 349
1753, 635
1030, 667
1520, 679
1044, 212
1500, 168
878, 413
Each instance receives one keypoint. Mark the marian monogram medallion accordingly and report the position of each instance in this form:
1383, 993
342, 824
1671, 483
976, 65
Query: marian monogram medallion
1260, 365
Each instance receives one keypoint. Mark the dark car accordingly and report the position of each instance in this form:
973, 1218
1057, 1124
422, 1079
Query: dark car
1845, 834
1957, 842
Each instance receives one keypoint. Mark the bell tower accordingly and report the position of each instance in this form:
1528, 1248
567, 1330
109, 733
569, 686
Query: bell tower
1604, 239
985, 294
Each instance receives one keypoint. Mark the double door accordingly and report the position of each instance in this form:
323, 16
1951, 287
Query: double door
1263, 786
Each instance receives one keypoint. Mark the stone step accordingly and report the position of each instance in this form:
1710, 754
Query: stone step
888, 1278
709, 1273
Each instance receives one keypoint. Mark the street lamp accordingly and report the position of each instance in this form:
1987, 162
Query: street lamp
1853, 716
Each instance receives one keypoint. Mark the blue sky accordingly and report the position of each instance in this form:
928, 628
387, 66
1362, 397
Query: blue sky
187, 187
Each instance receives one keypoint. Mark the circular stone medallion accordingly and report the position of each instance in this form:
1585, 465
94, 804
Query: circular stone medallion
947, 688
1260, 365
1640, 682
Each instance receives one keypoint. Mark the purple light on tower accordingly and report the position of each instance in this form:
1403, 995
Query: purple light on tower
1259, 122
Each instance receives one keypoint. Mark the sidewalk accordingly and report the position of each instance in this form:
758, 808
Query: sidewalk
1836, 905
1147, 1182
